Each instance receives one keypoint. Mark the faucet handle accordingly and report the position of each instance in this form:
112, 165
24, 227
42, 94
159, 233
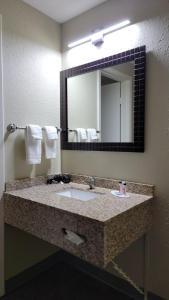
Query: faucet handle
91, 181
92, 178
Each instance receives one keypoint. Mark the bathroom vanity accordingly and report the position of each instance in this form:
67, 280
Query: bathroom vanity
95, 227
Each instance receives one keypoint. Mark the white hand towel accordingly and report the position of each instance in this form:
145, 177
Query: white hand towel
81, 135
51, 137
33, 141
51, 132
91, 135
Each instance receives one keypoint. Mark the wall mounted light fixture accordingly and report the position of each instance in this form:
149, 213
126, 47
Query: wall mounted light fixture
98, 37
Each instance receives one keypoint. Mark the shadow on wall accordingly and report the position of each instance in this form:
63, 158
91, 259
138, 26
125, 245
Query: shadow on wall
20, 165
26, 250
27, 15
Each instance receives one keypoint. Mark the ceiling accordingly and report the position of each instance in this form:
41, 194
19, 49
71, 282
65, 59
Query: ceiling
63, 10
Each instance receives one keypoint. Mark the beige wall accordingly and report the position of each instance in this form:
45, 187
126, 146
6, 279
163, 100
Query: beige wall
32, 61
152, 166
23, 250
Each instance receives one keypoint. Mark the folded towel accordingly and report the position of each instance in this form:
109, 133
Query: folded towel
51, 137
51, 132
33, 141
73, 237
81, 135
91, 134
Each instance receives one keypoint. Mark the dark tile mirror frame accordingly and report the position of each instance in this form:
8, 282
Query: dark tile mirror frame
138, 55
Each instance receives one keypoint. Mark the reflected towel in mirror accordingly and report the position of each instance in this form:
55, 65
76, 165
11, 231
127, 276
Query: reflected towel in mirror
91, 135
81, 135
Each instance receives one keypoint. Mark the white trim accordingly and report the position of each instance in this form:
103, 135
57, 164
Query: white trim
99, 103
2, 167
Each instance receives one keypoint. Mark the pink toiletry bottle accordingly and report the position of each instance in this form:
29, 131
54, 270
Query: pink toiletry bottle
124, 188
121, 187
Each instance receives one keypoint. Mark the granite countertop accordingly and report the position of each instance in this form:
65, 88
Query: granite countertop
107, 224
102, 208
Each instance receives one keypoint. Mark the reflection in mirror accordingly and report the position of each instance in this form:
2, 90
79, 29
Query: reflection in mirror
101, 102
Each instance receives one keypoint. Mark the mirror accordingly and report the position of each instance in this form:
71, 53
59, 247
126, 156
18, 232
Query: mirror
105, 97
102, 104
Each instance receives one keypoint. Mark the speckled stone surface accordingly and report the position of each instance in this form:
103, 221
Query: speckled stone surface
107, 223
132, 187
25, 183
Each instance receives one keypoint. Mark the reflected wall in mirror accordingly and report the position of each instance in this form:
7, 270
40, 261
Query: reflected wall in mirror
102, 104
103, 100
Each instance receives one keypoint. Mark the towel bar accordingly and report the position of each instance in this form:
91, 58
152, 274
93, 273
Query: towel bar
74, 130
13, 127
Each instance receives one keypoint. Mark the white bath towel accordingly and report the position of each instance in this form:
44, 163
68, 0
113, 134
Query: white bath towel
33, 143
91, 135
51, 137
81, 135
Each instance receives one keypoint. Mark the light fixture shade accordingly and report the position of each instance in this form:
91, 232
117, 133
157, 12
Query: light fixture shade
98, 38
116, 26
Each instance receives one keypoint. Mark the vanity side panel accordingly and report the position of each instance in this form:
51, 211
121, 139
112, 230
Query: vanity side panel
126, 228
47, 223
93, 250
38, 220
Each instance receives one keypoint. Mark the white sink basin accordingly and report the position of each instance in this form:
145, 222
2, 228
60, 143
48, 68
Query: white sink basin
77, 194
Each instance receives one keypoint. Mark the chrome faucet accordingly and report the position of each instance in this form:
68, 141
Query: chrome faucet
91, 182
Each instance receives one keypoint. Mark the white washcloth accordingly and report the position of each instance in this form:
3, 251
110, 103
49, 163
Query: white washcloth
91, 135
81, 135
33, 141
51, 137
